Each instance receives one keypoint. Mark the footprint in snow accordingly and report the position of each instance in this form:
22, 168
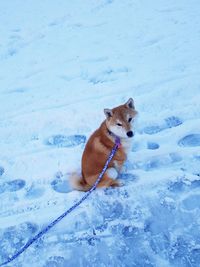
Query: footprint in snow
12, 186
1, 170
56, 261
60, 184
127, 176
169, 217
191, 202
14, 237
34, 192
169, 122
173, 122
181, 186
152, 146
111, 211
190, 140
65, 141
155, 162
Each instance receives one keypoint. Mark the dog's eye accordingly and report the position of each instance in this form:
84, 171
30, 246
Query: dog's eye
130, 119
119, 124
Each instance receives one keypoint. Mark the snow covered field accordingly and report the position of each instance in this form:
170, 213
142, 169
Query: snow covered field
63, 62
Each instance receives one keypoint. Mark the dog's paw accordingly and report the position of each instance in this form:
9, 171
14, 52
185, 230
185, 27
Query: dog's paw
121, 183
112, 173
117, 183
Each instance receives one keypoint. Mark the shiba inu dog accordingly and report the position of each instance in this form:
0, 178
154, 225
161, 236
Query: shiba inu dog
118, 124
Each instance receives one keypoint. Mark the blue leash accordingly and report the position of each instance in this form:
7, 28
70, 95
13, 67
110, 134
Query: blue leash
48, 227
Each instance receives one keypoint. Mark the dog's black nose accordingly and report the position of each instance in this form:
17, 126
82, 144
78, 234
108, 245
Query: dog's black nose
130, 134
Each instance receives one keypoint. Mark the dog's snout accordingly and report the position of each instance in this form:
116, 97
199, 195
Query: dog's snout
130, 134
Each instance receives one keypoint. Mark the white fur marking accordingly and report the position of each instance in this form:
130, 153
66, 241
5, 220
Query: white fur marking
119, 131
126, 144
116, 165
112, 173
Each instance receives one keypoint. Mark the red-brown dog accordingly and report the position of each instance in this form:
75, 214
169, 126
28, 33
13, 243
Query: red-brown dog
118, 123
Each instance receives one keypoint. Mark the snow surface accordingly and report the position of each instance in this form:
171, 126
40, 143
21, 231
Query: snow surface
62, 63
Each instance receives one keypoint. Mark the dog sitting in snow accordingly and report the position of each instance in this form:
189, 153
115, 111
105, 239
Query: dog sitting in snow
118, 124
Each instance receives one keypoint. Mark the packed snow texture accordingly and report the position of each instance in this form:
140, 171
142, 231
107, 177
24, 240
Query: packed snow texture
63, 62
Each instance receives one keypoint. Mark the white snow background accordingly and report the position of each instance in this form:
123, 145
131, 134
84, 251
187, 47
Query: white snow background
62, 63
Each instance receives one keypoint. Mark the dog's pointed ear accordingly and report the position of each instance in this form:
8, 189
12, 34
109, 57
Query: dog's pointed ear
108, 113
130, 103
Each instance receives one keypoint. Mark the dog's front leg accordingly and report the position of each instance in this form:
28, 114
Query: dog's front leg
118, 165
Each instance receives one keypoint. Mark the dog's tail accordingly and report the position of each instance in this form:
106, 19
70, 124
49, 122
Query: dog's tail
77, 182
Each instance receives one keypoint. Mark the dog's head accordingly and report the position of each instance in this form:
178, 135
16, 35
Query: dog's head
120, 120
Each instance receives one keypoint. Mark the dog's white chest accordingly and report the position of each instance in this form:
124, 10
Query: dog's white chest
126, 144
